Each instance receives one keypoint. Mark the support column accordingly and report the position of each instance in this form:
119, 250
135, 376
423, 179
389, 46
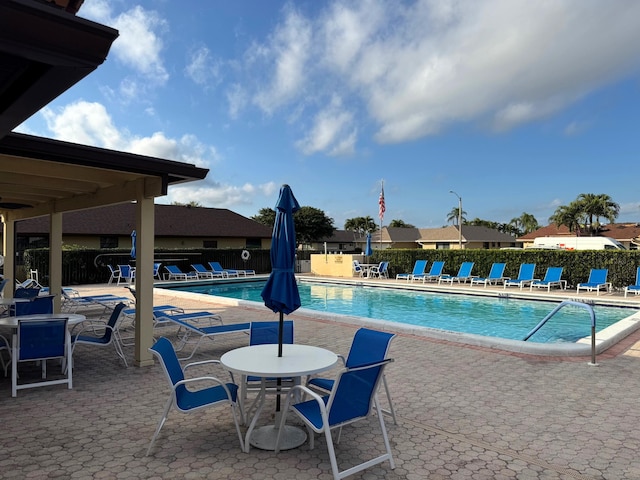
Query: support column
9, 252
145, 229
55, 260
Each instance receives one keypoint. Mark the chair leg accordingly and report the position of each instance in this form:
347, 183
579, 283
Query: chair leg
391, 410
165, 414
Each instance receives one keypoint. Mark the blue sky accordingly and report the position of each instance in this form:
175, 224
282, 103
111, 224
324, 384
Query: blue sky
517, 106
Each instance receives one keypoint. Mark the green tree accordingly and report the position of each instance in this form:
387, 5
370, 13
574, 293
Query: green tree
311, 224
265, 216
400, 224
598, 206
360, 225
524, 224
569, 216
192, 203
453, 216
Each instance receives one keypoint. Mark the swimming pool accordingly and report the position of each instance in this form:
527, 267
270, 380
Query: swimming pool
505, 318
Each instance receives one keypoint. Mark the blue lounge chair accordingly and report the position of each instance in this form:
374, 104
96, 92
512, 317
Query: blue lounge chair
188, 330
174, 273
552, 278
525, 276
635, 288
418, 269
434, 273
464, 274
202, 272
496, 275
597, 280
357, 269
223, 272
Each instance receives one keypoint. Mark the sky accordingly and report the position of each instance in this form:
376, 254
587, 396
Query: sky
516, 106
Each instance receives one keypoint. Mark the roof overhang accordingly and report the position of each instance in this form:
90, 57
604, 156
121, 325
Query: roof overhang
43, 52
39, 176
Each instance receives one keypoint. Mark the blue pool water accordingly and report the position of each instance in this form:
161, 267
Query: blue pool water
489, 316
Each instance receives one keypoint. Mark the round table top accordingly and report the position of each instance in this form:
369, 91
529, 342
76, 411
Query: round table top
263, 361
13, 321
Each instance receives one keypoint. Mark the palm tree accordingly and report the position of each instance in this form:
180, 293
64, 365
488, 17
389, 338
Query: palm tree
568, 215
360, 225
598, 206
400, 224
453, 216
525, 223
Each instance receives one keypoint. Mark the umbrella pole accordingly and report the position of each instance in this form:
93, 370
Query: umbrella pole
280, 341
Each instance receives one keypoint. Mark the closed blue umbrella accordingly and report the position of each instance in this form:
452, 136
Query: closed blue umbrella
280, 294
133, 244
368, 250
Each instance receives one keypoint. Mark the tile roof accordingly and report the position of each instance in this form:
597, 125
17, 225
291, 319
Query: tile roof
619, 231
170, 220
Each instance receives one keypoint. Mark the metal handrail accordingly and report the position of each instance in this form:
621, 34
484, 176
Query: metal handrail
577, 304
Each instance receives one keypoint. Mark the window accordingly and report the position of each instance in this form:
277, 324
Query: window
254, 243
442, 246
210, 244
109, 242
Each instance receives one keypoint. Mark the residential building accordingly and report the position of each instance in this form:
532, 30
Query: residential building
627, 234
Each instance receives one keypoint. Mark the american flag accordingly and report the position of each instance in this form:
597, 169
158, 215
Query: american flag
382, 208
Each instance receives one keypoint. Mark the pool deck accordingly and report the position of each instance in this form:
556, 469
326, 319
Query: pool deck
464, 412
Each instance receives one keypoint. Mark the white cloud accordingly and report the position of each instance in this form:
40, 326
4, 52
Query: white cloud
285, 56
202, 69
419, 68
89, 123
332, 130
139, 45
221, 195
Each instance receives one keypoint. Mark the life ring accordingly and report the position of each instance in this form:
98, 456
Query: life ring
245, 255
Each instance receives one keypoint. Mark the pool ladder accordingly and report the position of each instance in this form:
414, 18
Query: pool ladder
586, 306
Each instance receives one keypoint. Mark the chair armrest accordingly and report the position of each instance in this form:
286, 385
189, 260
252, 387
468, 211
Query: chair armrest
203, 362
213, 380
88, 324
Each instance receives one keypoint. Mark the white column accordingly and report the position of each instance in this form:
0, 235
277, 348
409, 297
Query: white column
55, 259
145, 222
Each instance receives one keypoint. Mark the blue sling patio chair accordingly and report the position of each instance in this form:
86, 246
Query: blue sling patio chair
464, 274
352, 398
380, 271
525, 276
418, 269
597, 280
367, 346
434, 272
496, 276
635, 288
41, 340
552, 278
188, 400
109, 333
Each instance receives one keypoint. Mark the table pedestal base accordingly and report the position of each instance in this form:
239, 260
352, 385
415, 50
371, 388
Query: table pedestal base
264, 438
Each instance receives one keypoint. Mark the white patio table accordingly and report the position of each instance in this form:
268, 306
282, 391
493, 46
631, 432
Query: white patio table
74, 318
263, 361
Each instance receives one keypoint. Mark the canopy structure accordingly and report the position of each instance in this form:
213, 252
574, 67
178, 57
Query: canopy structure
44, 50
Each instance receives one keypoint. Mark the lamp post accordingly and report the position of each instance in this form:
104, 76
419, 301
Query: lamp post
459, 219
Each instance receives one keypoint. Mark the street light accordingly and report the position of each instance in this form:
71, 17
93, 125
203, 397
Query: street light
459, 219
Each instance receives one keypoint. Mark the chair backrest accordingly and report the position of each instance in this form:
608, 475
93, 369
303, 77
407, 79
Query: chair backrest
527, 271
38, 305
198, 267
637, 279
173, 269
113, 270
368, 346
41, 339
113, 319
497, 270
465, 269
156, 268
216, 267
356, 266
26, 292
384, 266
125, 270
353, 393
261, 333
553, 274
598, 275
419, 267
166, 354
436, 267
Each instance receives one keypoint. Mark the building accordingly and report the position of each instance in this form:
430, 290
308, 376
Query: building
627, 234
176, 226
